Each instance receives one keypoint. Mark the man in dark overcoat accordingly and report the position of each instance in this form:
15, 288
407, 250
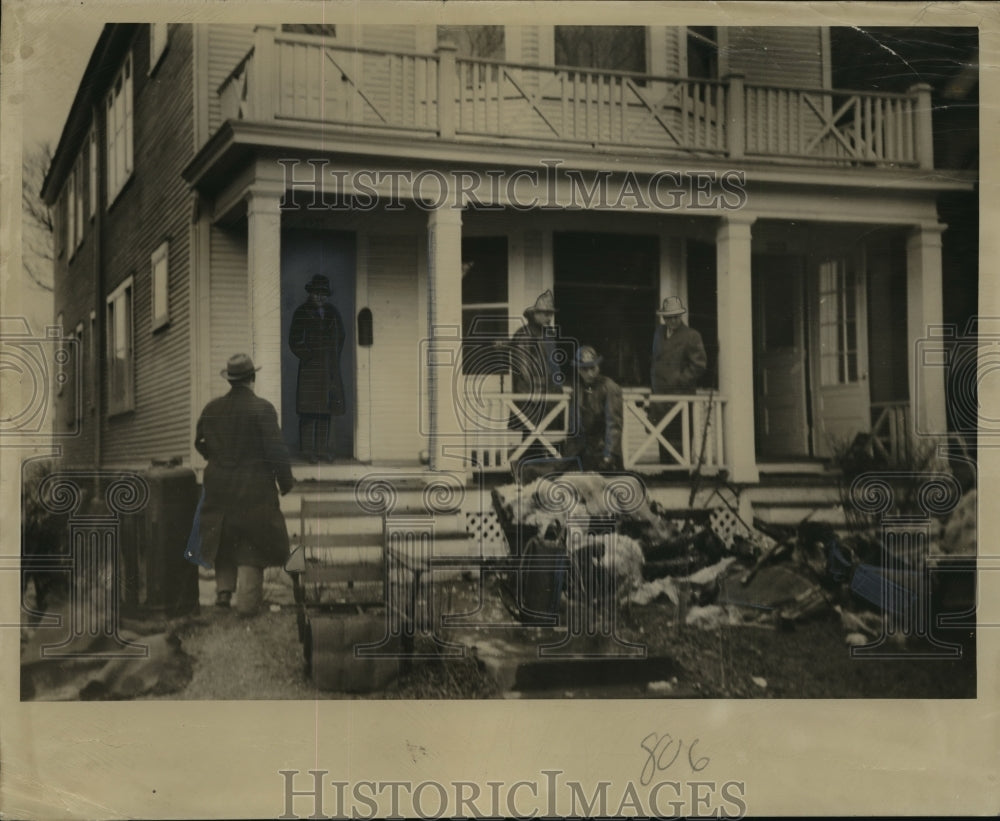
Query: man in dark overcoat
679, 361
534, 369
596, 416
242, 529
317, 337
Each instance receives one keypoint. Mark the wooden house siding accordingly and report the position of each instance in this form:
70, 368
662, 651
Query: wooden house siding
671, 53
155, 206
229, 310
781, 55
227, 45
530, 52
390, 37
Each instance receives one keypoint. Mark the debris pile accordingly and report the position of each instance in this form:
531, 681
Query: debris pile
712, 566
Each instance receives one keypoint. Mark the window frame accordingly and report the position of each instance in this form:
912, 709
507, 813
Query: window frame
125, 294
470, 342
75, 217
645, 68
59, 376
119, 130
92, 163
839, 347
161, 256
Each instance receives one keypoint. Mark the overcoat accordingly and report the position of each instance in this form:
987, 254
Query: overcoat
239, 436
317, 337
534, 369
678, 360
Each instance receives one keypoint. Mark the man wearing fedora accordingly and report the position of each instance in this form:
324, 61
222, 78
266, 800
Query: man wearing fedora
317, 337
534, 368
679, 361
596, 427
241, 527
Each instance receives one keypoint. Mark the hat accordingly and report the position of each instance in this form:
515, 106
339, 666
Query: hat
545, 302
319, 284
238, 368
672, 306
587, 357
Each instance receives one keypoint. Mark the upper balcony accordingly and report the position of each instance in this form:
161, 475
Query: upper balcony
302, 79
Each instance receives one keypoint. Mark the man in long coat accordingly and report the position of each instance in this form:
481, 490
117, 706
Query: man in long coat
679, 361
242, 529
317, 337
534, 369
597, 416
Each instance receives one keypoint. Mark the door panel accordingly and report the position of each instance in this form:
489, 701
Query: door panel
779, 340
839, 327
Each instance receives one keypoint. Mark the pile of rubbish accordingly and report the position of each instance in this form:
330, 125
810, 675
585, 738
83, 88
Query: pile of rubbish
714, 568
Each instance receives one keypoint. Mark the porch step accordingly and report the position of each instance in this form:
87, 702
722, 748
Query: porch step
800, 494
791, 515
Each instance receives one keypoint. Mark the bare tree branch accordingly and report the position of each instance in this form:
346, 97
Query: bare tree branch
37, 224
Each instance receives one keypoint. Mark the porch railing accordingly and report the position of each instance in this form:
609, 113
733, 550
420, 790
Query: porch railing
663, 432
890, 436
493, 446
831, 125
299, 78
687, 427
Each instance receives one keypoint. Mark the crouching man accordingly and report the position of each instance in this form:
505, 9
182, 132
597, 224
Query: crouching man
596, 421
242, 529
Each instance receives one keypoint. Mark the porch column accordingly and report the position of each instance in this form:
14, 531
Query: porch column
923, 320
264, 291
444, 318
732, 246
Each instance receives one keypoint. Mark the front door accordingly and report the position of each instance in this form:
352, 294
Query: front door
780, 356
305, 252
839, 331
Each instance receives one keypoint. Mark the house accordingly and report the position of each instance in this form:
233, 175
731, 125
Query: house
206, 171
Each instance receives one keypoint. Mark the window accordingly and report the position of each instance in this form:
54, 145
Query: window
92, 147
61, 358
71, 211
157, 43
91, 372
703, 52
484, 305
74, 204
77, 365
616, 48
486, 42
120, 351
838, 323
119, 130
160, 275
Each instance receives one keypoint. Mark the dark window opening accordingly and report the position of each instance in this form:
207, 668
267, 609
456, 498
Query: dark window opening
703, 52
615, 48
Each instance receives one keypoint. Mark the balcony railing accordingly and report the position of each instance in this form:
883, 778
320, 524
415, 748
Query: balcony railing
890, 436
659, 432
296, 78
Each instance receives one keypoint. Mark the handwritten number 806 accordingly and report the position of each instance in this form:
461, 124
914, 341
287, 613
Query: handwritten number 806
663, 751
